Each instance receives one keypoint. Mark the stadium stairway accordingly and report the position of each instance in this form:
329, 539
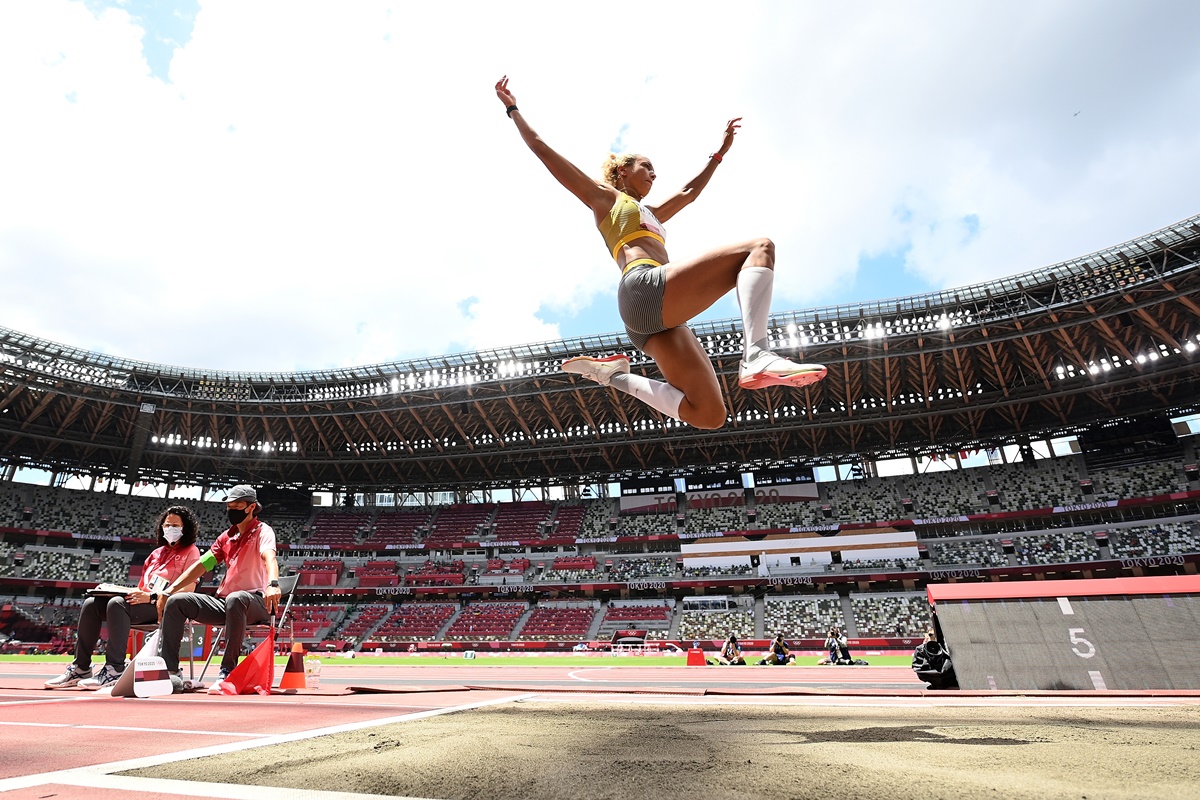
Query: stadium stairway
848, 615
440, 636
594, 629
676, 619
366, 637
760, 618
520, 626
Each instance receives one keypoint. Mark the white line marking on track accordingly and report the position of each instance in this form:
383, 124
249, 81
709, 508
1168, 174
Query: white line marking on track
87, 776
226, 791
37, 702
575, 676
129, 728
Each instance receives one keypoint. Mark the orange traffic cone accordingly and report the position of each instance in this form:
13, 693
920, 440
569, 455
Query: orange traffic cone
293, 674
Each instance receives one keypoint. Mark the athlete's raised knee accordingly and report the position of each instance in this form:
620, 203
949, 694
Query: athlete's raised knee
762, 254
708, 417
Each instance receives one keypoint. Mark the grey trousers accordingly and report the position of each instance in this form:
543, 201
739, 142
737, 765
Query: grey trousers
120, 615
235, 612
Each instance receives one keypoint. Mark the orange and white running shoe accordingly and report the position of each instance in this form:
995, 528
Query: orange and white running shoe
768, 369
599, 370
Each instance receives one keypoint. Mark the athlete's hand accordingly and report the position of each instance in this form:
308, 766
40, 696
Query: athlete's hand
731, 129
504, 94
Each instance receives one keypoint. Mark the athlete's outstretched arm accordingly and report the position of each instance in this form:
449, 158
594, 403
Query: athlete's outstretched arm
673, 205
595, 196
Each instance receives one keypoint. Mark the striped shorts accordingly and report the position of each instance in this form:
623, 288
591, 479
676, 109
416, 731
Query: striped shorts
640, 301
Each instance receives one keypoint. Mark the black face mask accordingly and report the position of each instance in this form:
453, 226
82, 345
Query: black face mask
236, 515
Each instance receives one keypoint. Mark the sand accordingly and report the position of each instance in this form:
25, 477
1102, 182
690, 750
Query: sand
545, 750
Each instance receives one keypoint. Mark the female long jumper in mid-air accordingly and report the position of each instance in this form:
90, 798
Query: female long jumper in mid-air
657, 296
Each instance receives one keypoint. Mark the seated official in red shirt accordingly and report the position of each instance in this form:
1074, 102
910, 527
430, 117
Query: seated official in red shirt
248, 594
176, 530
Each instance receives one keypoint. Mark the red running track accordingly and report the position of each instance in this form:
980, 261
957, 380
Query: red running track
67, 743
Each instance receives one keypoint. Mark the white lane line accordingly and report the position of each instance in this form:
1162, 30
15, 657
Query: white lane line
81, 775
576, 676
226, 791
129, 728
1064, 604
41, 702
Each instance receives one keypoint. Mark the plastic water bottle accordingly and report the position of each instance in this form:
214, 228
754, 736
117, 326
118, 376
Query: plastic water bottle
312, 673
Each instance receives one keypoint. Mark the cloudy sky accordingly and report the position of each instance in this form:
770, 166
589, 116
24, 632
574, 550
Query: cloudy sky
298, 185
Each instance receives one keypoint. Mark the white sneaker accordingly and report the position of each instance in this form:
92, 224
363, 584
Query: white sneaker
107, 676
70, 678
768, 369
599, 370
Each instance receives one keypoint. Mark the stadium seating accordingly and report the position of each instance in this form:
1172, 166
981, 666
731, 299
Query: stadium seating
437, 573
559, 621
320, 573
802, 617
415, 622
568, 521
634, 569
360, 622
337, 528
1056, 548
973, 552
459, 523
891, 615
520, 520
398, 528
716, 624
486, 622
377, 573
1162, 539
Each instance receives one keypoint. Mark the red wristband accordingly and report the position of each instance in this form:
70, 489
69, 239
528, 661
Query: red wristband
716, 157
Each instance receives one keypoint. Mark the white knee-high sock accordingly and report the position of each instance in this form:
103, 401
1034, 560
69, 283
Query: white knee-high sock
754, 285
658, 395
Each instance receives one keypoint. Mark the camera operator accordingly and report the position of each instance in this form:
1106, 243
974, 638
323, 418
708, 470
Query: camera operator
731, 653
779, 654
932, 663
839, 649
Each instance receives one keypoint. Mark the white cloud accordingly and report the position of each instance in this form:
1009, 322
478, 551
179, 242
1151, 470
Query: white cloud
329, 184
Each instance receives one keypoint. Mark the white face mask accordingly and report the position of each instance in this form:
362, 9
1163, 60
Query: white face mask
172, 535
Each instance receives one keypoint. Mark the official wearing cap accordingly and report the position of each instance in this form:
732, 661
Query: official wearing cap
248, 593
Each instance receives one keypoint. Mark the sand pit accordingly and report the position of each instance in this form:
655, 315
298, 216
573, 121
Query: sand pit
540, 750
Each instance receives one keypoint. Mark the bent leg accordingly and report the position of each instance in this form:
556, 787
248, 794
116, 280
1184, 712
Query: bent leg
694, 284
180, 607
241, 609
88, 632
686, 366
121, 617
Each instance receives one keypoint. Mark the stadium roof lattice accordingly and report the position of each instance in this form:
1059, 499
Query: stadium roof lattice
1109, 335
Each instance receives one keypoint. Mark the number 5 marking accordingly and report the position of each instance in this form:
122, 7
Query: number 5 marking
1079, 640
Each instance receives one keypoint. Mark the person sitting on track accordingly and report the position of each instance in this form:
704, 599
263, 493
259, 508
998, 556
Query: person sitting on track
731, 653
779, 655
838, 647
657, 297
176, 529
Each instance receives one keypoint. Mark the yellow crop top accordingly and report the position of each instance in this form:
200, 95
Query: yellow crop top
628, 220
